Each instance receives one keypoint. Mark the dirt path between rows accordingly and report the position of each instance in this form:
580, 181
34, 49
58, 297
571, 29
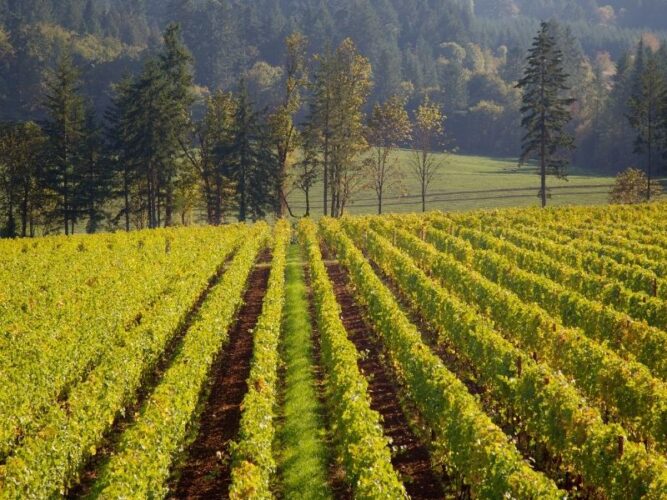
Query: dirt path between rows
206, 471
410, 458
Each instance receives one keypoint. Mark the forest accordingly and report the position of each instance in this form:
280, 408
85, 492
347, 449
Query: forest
141, 113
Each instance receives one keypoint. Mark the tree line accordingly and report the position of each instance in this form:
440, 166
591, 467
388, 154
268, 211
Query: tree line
164, 153
158, 158
547, 111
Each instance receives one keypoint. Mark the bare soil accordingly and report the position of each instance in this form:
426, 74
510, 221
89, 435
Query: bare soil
206, 473
410, 458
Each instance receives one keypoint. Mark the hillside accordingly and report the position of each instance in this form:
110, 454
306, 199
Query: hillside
402, 39
644, 14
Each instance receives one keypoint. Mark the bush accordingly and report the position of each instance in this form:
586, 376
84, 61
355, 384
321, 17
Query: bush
631, 187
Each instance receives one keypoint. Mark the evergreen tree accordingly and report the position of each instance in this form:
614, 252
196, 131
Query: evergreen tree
65, 129
119, 136
149, 146
647, 115
212, 154
21, 193
175, 64
545, 110
95, 175
155, 118
254, 167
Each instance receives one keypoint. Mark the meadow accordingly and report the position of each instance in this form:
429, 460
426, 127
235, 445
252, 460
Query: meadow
469, 182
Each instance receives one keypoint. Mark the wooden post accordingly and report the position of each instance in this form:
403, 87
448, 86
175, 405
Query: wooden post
519, 367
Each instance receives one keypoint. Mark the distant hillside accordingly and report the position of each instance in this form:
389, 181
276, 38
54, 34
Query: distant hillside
402, 38
644, 14
466, 54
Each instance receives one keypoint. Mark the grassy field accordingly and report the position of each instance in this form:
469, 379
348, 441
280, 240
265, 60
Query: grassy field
471, 182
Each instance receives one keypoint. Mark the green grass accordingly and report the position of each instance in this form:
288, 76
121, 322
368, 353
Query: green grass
472, 173
303, 456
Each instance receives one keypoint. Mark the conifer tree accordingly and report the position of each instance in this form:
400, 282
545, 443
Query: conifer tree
254, 167
119, 131
156, 116
545, 109
176, 66
647, 114
21, 192
95, 175
65, 129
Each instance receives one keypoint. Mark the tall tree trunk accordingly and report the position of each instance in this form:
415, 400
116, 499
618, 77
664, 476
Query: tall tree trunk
423, 195
11, 223
24, 209
543, 150
150, 205
333, 182
650, 156
158, 200
218, 200
126, 198
242, 192
169, 203
209, 196
66, 201
326, 172
282, 207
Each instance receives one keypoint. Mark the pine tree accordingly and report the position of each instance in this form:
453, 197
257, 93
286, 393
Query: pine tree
119, 143
647, 114
255, 167
149, 136
65, 129
21, 151
95, 175
156, 122
176, 66
545, 109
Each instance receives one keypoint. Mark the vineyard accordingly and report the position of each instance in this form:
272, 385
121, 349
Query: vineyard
516, 353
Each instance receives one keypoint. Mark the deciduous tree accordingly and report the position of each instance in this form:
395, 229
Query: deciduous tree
388, 127
428, 130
